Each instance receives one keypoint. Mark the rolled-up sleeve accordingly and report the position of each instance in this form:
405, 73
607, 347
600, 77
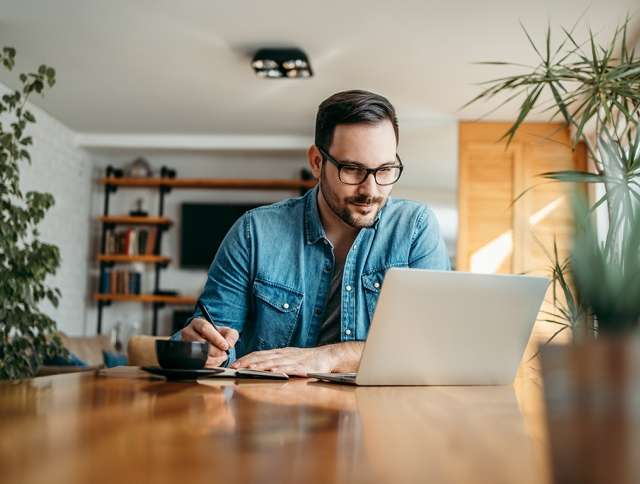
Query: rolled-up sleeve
226, 293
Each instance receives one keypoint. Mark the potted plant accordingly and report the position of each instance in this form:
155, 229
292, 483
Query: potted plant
598, 86
590, 385
27, 336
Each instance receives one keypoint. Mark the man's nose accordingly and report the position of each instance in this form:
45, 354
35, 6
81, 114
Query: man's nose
368, 185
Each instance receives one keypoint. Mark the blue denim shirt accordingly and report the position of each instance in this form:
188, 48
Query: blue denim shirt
271, 275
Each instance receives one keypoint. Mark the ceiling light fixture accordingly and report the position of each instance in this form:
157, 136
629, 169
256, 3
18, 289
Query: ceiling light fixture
281, 63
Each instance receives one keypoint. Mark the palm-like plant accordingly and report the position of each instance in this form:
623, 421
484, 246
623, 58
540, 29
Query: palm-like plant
607, 281
590, 85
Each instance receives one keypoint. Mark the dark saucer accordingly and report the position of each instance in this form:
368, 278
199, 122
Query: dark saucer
181, 374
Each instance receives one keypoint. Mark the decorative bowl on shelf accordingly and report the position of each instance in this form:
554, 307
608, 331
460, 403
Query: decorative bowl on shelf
139, 168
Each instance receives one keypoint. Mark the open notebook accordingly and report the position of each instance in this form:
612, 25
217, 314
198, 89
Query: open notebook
247, 373
137, 372
217, 372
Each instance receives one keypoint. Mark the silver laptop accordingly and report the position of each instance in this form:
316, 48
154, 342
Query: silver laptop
447, 328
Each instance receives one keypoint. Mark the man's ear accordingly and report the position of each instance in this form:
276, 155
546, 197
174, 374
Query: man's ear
315, 161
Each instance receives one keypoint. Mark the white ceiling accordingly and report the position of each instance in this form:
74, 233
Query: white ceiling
182, 67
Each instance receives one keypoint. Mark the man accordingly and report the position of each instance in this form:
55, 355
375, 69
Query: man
294, 285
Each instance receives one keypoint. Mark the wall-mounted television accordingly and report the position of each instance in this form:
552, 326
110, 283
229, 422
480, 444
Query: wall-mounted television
203, 226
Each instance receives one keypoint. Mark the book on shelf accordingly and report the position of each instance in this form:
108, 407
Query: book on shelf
142, 242
132, 247
122, 281
131, 241
152, 235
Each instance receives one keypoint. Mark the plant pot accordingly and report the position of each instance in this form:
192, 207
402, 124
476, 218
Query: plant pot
592, 403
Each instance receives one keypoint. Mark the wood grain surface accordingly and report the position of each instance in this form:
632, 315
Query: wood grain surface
130, 428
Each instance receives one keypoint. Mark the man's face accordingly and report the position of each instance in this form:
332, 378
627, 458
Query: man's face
364, 144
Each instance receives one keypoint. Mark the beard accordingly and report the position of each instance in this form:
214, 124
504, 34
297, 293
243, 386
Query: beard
344, 209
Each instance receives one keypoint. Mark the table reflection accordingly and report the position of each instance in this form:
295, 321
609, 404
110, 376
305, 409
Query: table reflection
114, 429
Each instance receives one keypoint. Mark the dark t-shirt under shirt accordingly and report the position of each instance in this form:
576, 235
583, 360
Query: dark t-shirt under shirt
331, 321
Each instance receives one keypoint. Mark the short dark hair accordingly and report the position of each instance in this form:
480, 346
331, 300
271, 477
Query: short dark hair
352, 107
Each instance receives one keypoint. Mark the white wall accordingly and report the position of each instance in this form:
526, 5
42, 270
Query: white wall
429, 152
62, 169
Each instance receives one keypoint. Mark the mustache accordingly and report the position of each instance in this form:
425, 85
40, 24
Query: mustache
364, 199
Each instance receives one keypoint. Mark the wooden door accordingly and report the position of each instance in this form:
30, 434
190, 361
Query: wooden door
485, 236
498, 234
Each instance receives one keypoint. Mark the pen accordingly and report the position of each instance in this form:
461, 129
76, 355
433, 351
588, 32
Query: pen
208, 317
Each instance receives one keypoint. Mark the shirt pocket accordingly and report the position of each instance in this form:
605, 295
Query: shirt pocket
372, 283
276, 312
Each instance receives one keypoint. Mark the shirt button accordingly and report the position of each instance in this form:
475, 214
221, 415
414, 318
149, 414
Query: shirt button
285, 305
348, 288
327, 268
376, 285
347, 332
317, 312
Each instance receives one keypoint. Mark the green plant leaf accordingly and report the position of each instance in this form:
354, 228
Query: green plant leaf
26, 334
525, 109
533, 44
575, 176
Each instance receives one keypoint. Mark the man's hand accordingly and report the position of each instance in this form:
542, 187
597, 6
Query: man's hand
219, 342
301, 361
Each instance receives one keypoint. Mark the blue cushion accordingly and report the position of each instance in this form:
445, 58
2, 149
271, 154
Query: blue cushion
112, 359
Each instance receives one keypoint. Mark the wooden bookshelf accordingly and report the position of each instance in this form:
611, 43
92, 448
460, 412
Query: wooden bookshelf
128, 220
164, 183
146, 259
147, 298
208, 183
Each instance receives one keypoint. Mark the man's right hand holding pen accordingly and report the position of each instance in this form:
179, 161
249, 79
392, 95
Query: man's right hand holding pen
220, 339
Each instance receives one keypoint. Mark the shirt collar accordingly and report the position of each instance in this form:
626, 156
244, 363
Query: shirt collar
314, 230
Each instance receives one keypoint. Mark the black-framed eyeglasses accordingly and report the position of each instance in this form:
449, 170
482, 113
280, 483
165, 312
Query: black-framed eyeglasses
352, 174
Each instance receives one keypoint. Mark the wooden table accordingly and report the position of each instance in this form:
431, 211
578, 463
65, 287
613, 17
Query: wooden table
88, 428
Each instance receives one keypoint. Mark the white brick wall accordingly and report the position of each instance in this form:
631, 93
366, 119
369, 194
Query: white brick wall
58, 167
